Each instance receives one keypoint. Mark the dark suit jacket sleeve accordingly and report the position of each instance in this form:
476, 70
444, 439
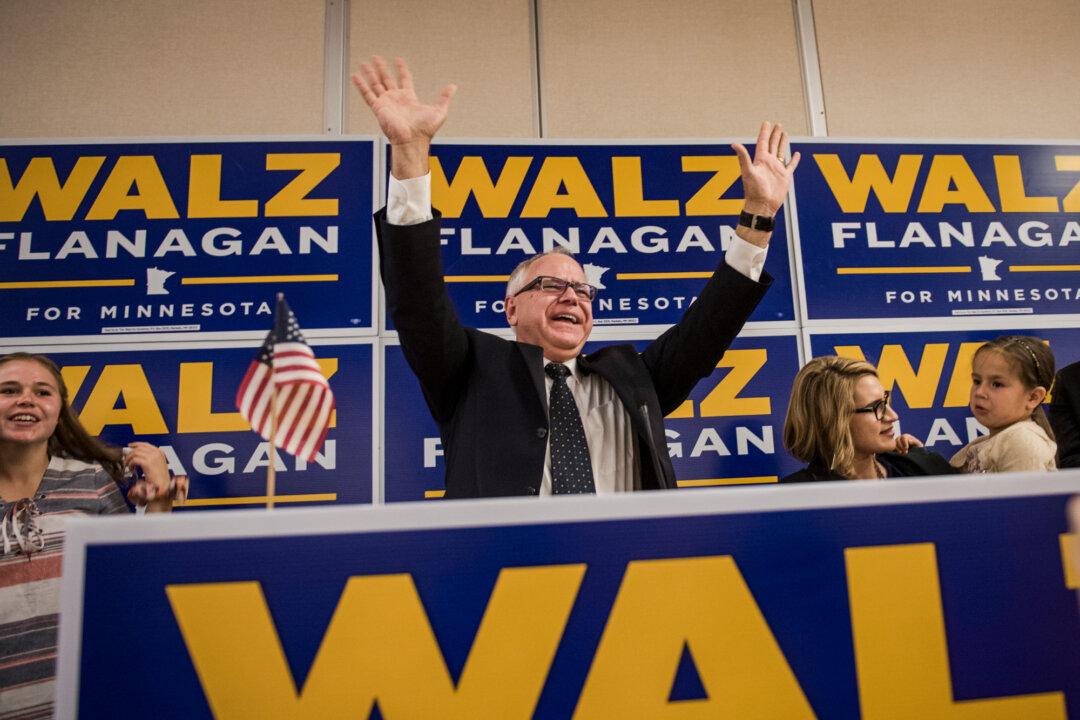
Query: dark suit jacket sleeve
689, 350
1064, 416
433, 340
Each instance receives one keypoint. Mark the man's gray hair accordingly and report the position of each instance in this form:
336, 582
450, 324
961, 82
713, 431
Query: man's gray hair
517, 278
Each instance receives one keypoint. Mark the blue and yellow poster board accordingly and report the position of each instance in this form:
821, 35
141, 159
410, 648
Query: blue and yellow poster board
107, 240
929, 373
942, 230
181, 398
934, 598
648, 222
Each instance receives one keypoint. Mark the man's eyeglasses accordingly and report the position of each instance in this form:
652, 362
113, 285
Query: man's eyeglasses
878, 407
547, 283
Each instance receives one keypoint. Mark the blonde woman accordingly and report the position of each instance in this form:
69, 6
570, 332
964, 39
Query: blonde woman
840, 423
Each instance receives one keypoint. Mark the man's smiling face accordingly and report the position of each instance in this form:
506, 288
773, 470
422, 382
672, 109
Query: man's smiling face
560, 323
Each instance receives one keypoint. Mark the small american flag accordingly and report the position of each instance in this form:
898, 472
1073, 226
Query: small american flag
304, 399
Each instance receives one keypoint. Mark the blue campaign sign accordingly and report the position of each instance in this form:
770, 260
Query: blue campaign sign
929, 374
910, 230
728, 432
413, 468
106, 239
649, 223
182, 400
914, 599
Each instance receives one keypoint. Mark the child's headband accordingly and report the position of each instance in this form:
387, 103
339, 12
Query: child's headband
1021, 343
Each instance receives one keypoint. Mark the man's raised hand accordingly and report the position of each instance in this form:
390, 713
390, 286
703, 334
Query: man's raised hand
401, 116
766, 178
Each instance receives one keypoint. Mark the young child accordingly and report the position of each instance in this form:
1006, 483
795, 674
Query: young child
1010, 378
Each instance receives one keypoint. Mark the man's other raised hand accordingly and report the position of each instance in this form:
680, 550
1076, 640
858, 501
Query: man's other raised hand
767, 177
408, 124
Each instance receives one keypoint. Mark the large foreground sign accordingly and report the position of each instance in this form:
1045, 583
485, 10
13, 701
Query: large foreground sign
911, 599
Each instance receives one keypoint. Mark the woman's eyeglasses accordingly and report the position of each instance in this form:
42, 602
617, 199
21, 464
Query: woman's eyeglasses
878, 407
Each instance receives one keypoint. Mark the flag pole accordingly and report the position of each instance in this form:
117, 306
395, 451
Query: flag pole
271, 470
275, 415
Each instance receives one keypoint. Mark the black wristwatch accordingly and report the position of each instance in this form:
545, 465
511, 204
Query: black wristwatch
756, 222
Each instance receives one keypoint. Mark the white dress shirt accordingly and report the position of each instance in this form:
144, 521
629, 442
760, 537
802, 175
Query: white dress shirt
608, 431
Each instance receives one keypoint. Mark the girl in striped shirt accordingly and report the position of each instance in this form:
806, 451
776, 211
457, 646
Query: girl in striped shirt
51, 468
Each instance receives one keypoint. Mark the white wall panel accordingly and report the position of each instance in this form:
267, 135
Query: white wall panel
484, 46
958, 69
200, 67
687, 69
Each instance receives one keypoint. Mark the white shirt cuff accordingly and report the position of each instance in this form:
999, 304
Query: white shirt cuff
746, 257
408, 202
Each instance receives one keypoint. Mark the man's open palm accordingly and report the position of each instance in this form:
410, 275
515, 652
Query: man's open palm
400, 114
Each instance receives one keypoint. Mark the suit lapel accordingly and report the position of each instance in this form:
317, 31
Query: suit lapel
533, 356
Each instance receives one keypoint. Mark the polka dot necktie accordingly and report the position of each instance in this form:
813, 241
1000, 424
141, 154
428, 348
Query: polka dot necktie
571, 470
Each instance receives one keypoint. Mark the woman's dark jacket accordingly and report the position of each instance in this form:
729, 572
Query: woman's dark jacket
917, 462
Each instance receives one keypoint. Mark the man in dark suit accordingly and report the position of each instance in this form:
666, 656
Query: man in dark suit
1065, 415
534, 416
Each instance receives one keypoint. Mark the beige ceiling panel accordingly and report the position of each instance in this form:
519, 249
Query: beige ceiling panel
127, 68
963, 68
484, 46
689, 68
